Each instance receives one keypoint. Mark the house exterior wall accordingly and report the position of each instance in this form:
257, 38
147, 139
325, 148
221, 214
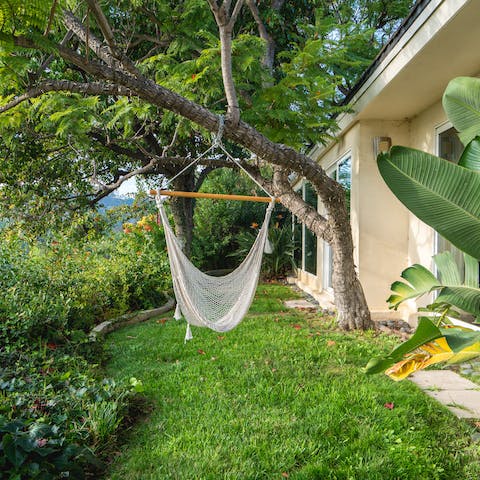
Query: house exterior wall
400, 99
387, 237
382, 219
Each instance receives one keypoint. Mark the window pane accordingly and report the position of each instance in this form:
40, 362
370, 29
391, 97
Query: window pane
345, 177
310, 253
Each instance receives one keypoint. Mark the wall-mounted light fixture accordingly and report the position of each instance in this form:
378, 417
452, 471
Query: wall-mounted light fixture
381, 145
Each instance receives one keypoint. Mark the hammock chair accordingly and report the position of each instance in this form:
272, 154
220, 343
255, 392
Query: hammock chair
219, 303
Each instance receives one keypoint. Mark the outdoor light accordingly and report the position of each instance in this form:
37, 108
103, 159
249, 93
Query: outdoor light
381, 145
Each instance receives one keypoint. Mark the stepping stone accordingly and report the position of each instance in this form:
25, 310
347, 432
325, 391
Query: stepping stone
459, 395
300, 304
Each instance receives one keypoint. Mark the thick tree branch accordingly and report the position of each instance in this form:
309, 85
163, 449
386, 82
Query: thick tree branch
236, 12
282, 189
100, 50
103, 24
268, 59
92, 88
225, 23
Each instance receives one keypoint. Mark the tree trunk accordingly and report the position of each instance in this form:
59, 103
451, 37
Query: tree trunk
182, 211
352, 309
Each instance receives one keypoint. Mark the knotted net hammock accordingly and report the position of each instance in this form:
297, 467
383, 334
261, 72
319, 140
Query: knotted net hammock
219, 303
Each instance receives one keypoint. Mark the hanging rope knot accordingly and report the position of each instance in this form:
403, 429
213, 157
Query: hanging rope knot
160, 199
217, 138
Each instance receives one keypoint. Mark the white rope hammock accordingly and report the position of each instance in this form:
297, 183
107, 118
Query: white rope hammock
219, 303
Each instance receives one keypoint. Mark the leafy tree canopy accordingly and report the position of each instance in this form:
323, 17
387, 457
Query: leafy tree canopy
292, 63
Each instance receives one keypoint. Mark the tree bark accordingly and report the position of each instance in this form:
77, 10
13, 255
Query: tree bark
352, 309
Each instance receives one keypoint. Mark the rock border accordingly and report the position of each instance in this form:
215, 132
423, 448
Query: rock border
129, 319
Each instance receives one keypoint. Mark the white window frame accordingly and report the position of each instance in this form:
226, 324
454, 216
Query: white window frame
327, 250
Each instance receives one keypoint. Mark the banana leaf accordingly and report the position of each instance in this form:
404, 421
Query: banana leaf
461, 102
442, 194
471, 155
426, 332
462, 293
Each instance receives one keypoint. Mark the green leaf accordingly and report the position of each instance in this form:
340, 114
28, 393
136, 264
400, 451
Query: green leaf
458, 339
440, 193
13, 453
447, 268
465, 298
471, 271
471, 155
421, 280
461, 102
426, 332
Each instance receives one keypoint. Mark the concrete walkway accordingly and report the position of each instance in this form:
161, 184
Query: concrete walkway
459, 395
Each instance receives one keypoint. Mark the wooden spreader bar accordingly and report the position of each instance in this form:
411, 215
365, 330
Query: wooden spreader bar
214, 196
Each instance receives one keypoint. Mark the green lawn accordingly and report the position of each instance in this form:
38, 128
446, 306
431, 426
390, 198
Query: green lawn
281, 396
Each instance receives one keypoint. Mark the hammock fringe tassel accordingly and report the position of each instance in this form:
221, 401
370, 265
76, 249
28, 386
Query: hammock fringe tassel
188, 334
178, 313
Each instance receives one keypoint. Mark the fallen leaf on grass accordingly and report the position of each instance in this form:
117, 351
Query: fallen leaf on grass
285, 475
297, 326
331, 343
389, 405
200, 351
477, 424
162, 321
220, 337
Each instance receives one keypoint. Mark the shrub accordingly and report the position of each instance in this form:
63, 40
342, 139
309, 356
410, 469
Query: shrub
56, 415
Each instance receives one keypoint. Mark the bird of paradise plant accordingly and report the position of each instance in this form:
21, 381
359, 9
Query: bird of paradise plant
445, 196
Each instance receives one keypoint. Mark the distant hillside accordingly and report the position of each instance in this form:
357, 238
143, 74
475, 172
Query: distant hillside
115, 201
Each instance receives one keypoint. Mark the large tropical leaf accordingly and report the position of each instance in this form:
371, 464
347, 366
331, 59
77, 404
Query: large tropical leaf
420, 281
442, 194
426, 332
461, 102
454, 288
428, 345
471, 155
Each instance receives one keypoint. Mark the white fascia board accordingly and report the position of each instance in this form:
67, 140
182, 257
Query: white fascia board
436, 14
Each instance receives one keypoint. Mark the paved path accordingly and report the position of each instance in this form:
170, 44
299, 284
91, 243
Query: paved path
459, 395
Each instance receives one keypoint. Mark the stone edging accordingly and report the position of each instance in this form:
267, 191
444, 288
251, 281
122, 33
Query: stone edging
129, 319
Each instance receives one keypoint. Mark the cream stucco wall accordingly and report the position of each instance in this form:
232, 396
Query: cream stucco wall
382, 219
387, 237
379, 221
